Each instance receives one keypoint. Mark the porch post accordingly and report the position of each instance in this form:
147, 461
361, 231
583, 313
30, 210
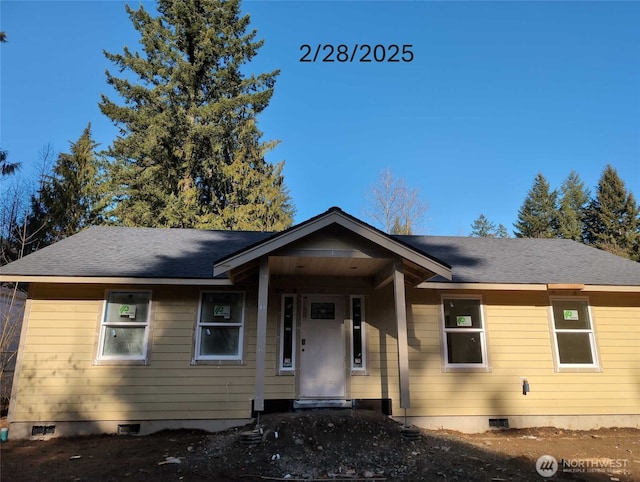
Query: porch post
401, 323
261, 338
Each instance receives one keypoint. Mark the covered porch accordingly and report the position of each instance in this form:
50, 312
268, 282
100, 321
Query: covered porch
325, 265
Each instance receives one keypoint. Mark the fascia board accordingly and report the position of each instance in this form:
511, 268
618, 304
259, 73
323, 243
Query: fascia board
115, 280
317, 224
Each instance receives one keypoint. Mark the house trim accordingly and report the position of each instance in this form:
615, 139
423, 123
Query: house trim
118, 280
525, 287
332, 216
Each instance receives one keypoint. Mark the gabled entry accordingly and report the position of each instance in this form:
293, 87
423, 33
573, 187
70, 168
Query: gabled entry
332, 245
322, 372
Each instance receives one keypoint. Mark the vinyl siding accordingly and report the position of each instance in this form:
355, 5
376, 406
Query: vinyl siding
519, 344
60, 381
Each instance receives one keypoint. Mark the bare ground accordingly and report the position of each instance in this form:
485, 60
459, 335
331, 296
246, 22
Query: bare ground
333, 445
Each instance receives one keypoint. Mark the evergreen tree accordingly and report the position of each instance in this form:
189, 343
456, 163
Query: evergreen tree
613, 217
483, 228
573, 202
538, 217
190, 152
70, 198
501, 231
6, 167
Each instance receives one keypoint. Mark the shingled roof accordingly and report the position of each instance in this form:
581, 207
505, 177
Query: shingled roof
190, 254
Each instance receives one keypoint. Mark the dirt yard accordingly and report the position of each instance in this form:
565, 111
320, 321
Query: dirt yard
327, 445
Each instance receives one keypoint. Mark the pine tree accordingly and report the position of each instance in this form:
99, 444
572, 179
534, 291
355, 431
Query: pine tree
190, 152
6, 167
613, 217
483, 228
538, 217
573, 202
501, 231
71, 197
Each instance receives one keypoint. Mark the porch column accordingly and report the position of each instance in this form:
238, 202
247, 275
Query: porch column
261, 338
401, 323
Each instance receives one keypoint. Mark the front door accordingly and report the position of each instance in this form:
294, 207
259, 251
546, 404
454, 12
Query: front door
322, 356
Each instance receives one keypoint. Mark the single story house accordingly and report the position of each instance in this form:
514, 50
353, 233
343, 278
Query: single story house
133, 330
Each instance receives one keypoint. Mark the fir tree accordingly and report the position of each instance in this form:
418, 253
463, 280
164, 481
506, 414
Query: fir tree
70, 198
190, 152
501, 231
613, 217
537, 218
483, 228
6, 167
573, 202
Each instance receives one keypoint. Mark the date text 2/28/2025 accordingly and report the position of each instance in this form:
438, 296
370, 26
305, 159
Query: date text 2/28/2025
357, 53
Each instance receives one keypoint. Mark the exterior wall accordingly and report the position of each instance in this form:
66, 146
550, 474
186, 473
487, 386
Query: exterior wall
60, 384
59, 381
381, 379
520, 345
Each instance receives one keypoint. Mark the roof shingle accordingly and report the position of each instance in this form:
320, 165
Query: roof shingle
190, 254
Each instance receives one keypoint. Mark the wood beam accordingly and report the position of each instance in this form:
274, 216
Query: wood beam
385, 276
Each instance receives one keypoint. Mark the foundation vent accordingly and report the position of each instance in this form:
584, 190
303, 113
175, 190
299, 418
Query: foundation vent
128, 429
499, 422
43, 430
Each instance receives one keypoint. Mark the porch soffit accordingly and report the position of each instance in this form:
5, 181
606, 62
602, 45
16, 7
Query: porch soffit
336, 247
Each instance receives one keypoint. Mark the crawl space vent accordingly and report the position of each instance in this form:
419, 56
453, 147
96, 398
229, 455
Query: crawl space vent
43, 429
499, 422
129, 429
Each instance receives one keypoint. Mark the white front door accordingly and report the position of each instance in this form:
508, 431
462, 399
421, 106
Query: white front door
322, 355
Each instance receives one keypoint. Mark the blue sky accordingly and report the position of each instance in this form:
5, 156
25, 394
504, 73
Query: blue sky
496, 92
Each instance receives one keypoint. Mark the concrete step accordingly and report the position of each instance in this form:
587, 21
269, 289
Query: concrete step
321, 403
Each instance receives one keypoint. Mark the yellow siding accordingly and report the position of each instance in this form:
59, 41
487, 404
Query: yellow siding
59, 379
519, 345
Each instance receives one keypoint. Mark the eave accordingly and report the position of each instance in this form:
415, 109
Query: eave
115, 280
277, 245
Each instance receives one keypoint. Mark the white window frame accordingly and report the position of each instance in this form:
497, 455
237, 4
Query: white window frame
595, 359
450, 366
294, 322
363, 334
199, 325
104, 326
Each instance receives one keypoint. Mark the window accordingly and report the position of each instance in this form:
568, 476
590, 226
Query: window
220, 326
125, 326
323, 311
288, 333
573, 333
464, 345
357, 334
